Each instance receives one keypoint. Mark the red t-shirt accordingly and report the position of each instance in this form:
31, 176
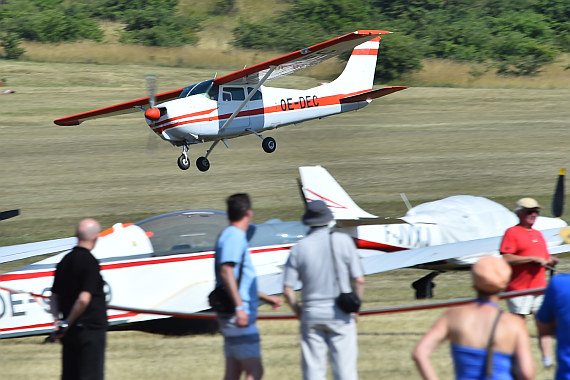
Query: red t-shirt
522, 242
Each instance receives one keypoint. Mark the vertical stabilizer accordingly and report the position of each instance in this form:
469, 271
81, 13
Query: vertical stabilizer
358, 75
318, 184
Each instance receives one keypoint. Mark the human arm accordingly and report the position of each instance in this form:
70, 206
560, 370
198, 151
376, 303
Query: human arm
427, 345
358, 286
230, 283
78, 308
291, 299
513, 259
274, 301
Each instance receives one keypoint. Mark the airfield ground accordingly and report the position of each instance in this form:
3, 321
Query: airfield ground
425, 141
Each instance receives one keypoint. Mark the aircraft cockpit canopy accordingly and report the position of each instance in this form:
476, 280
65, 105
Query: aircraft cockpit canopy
206, 88
194, 231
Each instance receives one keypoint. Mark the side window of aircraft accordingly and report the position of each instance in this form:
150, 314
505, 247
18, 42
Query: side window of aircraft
233, 93
257, 95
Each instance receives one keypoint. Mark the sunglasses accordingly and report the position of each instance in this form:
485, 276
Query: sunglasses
532, 211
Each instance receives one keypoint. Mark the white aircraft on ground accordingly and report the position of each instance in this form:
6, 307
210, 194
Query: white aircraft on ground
164, 264
238, 104
461, 218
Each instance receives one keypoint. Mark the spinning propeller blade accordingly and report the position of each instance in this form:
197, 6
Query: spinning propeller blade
558, 200
151, 88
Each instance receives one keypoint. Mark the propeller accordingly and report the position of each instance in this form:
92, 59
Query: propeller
558, 199
152, 113
9, 214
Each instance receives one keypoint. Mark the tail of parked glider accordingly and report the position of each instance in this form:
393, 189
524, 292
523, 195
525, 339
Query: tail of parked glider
318, 184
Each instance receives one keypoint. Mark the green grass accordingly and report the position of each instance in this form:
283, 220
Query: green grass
427, 142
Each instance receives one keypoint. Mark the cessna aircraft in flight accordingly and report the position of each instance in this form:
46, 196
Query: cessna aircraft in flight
238, 104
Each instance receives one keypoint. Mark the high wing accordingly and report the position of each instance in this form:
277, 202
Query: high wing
117, 109
300, 59
281, 66
22, 251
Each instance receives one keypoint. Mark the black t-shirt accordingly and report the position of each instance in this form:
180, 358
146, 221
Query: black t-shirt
79, 271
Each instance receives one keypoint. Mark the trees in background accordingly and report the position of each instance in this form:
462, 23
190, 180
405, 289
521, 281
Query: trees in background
516, 37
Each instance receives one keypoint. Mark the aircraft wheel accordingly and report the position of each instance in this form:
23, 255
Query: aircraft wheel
269, 145
202, 164
183, 162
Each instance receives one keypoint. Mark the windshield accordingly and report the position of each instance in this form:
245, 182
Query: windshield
206, 88
198, 230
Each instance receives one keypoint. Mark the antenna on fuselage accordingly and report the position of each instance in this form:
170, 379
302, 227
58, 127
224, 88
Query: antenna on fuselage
406, 201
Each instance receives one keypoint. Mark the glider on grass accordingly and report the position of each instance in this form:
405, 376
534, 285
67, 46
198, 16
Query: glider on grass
468, 222
164, 266
238, 104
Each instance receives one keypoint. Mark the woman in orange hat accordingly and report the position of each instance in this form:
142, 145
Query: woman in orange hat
485, 343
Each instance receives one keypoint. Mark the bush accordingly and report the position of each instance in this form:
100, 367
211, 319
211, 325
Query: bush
11, 45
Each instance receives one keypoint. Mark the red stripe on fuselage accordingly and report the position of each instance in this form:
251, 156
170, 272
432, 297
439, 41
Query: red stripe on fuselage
365, 52
366, 244
323, 101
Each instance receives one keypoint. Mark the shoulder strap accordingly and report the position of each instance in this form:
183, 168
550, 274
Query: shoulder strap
489, 363
241, 267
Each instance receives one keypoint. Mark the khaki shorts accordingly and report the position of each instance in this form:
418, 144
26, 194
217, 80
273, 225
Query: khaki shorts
525, 305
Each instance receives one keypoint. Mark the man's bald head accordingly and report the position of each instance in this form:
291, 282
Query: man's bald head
87, 232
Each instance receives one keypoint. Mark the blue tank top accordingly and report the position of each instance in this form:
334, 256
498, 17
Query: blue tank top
470, 363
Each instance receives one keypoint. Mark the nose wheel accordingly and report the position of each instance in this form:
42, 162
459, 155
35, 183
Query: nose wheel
183, 162
269, 145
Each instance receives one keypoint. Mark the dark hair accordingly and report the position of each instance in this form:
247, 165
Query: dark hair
238, 204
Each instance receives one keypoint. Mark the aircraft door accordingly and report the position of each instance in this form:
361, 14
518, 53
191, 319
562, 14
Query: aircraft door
255, 110
230, 99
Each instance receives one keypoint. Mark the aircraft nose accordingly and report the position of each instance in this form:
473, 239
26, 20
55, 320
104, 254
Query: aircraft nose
152, 114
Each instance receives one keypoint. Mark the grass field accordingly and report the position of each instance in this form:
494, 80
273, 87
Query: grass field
427, 142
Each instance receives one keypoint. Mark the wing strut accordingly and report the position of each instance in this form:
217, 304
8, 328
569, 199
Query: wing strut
247, 99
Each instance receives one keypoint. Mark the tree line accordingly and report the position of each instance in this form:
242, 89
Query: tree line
515, 37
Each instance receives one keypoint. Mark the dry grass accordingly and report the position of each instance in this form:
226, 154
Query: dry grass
448, 73
427, 142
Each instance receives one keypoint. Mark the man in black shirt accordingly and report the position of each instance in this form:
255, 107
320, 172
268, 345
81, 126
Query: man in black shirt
79, 309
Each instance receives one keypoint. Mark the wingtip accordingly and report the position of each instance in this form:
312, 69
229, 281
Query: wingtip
66, 123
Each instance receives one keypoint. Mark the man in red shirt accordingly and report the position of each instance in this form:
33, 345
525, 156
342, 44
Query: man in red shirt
524, 248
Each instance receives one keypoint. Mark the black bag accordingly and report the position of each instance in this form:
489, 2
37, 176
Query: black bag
348, 302
220, 301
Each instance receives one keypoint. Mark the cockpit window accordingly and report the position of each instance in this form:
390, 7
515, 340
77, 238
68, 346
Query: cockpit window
184, 232
233, 93
256, 96
206, 88
198, 230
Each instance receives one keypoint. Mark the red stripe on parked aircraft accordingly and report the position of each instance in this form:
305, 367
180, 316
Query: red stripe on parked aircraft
366, 244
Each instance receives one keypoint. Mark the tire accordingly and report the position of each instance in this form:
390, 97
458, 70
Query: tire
203, 164
183, 162
269, 145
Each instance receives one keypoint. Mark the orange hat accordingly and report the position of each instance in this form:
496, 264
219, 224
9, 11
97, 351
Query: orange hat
491, 274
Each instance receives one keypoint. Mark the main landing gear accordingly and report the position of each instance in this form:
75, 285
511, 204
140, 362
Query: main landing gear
203, 164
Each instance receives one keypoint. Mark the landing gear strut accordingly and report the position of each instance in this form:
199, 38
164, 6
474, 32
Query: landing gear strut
183, 161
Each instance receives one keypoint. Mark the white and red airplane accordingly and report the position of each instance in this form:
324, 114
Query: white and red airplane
163, 266
456, 219
238, 104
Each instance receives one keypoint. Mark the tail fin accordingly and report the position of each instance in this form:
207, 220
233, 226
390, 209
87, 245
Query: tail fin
358, 75
319, 184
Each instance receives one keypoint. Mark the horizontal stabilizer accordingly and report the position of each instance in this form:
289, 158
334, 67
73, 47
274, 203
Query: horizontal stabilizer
372, 94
